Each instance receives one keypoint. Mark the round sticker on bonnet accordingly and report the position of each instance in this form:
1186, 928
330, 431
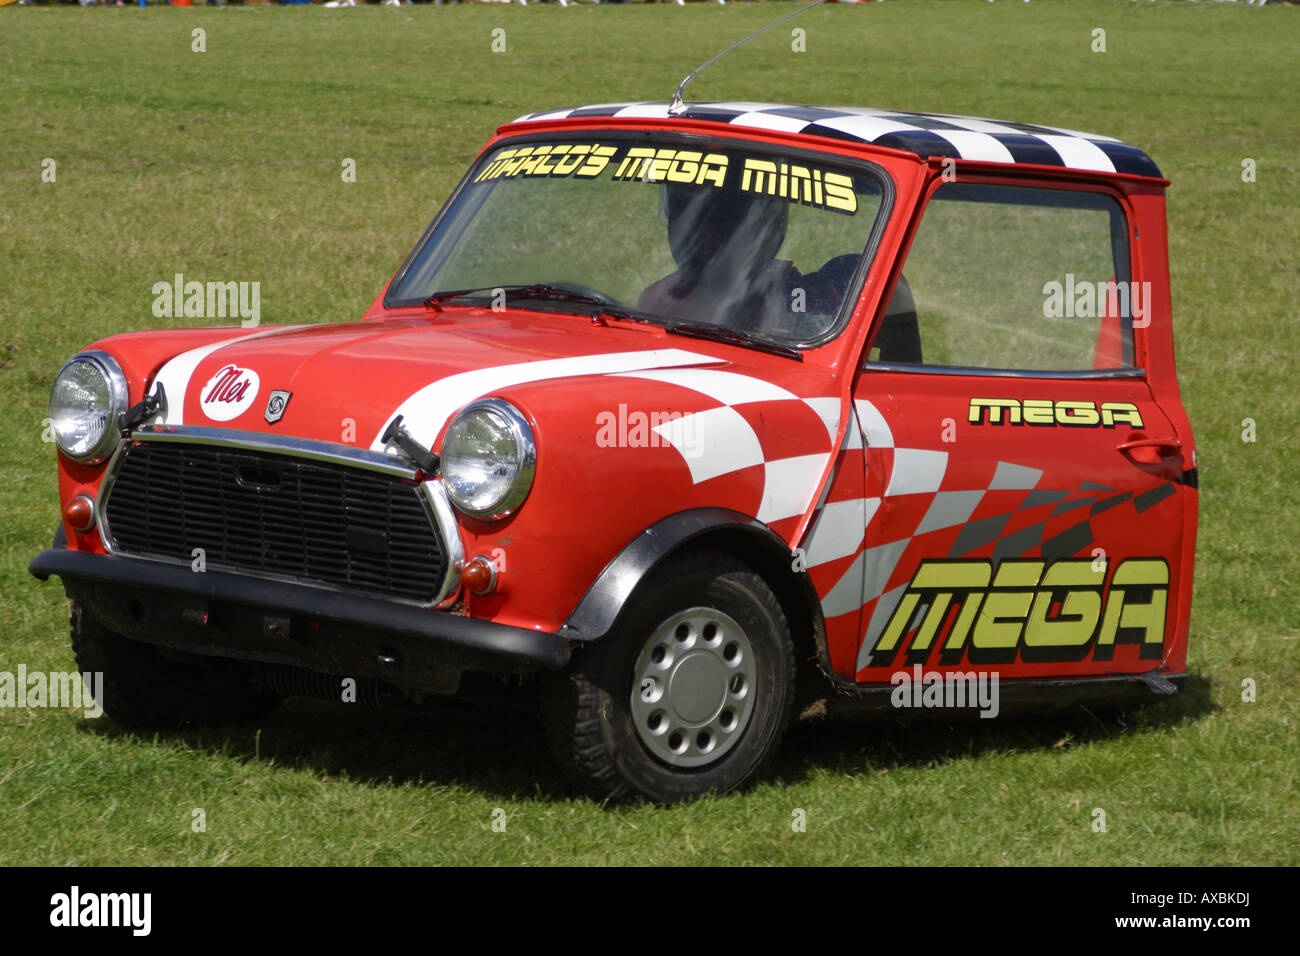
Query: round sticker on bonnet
229, 393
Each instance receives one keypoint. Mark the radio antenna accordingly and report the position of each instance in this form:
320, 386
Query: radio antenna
677, 107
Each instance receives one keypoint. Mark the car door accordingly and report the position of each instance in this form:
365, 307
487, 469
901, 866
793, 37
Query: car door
1025, 489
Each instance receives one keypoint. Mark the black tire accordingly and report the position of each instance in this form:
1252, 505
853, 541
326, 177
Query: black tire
611, 745
144, 690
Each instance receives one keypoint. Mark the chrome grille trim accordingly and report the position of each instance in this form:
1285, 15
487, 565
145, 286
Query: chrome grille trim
432, 493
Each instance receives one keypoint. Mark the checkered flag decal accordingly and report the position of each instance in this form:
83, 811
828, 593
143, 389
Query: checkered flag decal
752, 424
1009, 514
925, 134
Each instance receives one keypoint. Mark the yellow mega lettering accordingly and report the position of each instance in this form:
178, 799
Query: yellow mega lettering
950, 579
1077, 413
1002, 617
902, 614
636, 164
669, 165
1080, 609
1124, 611
658, 171
942, 581
1039, 611
995, 408
1112, 412
1038, 411
684, 167
1045, 411
713, 169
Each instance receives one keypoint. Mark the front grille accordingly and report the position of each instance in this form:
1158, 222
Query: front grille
264, 513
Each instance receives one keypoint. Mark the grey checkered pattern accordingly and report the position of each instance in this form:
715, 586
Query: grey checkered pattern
925, 134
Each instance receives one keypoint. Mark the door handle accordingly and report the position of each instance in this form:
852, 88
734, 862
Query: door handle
1173, 444
1152, 451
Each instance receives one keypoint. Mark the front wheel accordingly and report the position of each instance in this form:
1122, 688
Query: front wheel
690, 694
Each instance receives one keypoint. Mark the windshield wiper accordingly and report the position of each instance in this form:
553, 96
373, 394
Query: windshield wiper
721, 333
558, 293
537, 290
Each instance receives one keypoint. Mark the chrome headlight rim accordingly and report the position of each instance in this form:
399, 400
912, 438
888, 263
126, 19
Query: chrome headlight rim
522, 432
119, 401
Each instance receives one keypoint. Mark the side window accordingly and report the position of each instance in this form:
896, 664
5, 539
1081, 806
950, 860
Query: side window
1015, 278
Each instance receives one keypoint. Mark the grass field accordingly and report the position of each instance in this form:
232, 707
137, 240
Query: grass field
226, 165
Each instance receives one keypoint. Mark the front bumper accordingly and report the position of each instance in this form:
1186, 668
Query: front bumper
239, 617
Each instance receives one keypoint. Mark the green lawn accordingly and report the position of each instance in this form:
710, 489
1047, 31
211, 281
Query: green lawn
226, 165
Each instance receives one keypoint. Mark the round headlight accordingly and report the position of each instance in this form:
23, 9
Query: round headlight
86, 406
488, 459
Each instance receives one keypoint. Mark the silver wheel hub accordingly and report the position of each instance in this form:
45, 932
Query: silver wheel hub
693, 687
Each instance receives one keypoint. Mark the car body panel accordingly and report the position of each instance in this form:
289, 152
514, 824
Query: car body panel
843, 462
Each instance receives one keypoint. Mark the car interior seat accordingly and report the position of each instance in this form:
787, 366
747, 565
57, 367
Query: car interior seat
899, 338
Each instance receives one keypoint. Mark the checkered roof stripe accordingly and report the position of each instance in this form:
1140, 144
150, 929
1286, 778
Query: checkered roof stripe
925, 134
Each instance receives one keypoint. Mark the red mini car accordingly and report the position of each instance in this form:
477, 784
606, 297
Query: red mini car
687, 420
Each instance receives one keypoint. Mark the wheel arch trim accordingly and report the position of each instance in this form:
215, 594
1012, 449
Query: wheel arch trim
602, 606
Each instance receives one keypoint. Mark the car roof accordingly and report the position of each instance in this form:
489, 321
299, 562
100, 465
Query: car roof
925, 134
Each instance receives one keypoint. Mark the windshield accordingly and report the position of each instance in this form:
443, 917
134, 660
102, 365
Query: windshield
765, 243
